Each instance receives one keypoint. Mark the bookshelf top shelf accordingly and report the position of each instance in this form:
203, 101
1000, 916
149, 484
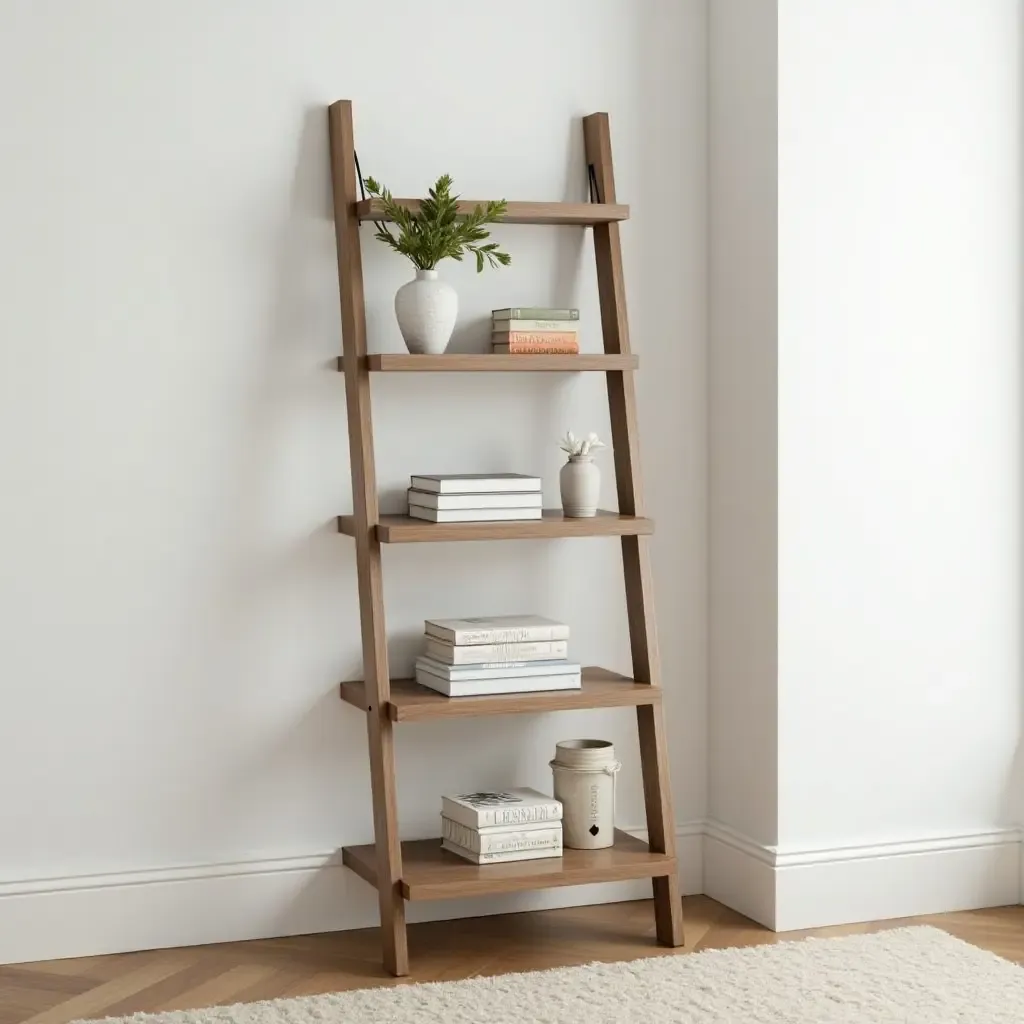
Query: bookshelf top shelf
581, 214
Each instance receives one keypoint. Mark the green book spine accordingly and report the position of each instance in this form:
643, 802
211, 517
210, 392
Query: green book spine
534, 313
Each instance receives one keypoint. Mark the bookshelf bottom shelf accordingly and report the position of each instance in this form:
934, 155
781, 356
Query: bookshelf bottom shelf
430, 873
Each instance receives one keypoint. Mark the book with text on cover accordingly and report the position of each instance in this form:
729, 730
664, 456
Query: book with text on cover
538, 853
536, 339
477, 654
487, 808
496, 629
531, 836
507, 326
554, 348
534, 313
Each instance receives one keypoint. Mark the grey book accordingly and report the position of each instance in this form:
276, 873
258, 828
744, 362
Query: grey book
534, 313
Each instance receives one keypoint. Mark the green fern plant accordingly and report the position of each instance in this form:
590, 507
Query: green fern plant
438, 231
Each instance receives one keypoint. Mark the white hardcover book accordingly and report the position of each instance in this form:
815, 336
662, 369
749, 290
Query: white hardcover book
501, 858
491, 687
474, 483
497, 830
481, 654
496, 629
510, 326
487, 808
473, 515
506, 499
509, 840
497, 670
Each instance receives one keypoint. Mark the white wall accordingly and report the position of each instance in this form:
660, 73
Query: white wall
899, 419
743, 275
177, 609
892, 533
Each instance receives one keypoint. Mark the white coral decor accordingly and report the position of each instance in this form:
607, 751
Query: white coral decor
577, 447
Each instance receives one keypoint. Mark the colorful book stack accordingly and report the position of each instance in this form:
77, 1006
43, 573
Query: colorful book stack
535, 330
474, 497
492, 828
506, 654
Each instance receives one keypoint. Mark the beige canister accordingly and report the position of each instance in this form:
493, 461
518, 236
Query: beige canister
584, 772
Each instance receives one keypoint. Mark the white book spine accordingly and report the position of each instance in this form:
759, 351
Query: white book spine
475, 515
477, 484
523, 826
500, 842
499, 634
501, 858
446, 502
496, 629
486, 817
480, 654
497, 670
562, 326
490, 687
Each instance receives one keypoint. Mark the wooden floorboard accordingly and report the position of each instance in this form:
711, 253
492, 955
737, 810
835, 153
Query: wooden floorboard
63, 990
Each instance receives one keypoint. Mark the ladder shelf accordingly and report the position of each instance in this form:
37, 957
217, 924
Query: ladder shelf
458, 362
410, 702
430, 873
421, 870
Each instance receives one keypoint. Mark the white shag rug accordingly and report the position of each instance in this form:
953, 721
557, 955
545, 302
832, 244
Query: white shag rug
904, 976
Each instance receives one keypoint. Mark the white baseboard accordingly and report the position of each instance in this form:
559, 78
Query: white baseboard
739, 873
55, 918
793, 889
49, 919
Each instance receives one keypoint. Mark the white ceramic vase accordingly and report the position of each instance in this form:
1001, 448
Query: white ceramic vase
426, 309
580, 484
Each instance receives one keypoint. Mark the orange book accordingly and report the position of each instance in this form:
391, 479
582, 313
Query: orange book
535, 338
537, 350
537, 342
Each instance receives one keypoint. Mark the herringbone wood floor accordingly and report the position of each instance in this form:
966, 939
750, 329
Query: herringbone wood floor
62, 990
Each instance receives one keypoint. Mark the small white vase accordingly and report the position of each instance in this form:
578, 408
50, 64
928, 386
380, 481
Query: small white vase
426, 309
580, 484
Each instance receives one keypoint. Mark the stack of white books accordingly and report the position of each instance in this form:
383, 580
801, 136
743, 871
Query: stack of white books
505, 654
474, 497
496, 827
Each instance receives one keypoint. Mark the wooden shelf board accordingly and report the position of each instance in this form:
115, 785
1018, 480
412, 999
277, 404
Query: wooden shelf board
485, 362
518, 213
406, 530
430, 873
411, 702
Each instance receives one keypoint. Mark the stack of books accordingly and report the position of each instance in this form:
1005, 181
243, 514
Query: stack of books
492, 828
474, 497
535, 330
506, 654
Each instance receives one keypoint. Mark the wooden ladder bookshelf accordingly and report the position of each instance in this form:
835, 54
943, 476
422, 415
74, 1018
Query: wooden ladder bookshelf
422, 870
